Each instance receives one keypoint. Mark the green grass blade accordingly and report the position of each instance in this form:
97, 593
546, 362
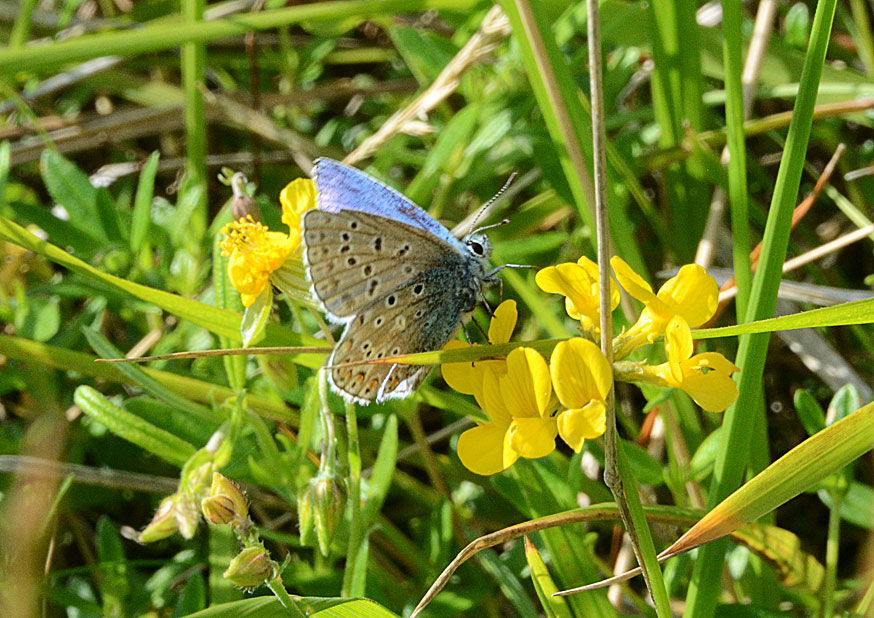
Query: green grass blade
737, 425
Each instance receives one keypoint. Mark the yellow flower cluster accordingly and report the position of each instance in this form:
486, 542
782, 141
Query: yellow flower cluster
529, 402
257, 255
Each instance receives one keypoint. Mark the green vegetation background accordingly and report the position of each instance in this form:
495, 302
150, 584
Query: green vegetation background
151, 99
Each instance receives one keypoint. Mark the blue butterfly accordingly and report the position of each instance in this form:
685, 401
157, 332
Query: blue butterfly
398, 280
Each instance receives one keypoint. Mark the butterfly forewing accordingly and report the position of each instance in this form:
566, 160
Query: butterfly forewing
356, 257
419, 316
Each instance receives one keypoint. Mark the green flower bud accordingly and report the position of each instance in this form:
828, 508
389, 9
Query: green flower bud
225, 503
187, 514
329, 502
305, 515
251, 568
163, 524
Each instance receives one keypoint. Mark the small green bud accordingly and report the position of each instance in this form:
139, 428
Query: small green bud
305, 515
251, 568
225, 503
163, 524
329, 503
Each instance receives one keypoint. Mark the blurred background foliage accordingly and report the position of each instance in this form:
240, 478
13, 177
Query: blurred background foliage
119, 117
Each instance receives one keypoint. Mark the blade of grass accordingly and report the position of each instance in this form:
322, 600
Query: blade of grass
171, 34
738, 423
193, 75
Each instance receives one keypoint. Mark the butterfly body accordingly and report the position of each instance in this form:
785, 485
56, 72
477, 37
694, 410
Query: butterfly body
398, 280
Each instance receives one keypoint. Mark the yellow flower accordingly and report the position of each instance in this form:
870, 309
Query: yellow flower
466, 377
297, 197
256, 253
705, 377
579, 284
582, 380
520, 424
692, 294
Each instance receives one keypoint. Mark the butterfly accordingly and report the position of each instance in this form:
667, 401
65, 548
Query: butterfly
399, 281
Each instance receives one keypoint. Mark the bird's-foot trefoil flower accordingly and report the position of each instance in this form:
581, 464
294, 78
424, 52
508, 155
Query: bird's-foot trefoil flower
582, 379
705, 377
692, 294
578, 283
519, 406
467, 377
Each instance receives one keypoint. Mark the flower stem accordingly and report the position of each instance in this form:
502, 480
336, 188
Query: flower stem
276, 586
354, 454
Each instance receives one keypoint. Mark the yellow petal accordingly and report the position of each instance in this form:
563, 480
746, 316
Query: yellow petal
574, 282
526, 388
297, 197
592, 268
678, 344
486, 449
715, 362
581, 424
580, 373
461, 377
492, 399
503, 322
633, 283
533, 437
693, 294
713, 391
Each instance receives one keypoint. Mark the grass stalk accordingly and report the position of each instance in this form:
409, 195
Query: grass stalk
193, 75
738, 423
616, 471
355, 531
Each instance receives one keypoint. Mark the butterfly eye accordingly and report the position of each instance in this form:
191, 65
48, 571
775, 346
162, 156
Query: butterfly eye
476, 247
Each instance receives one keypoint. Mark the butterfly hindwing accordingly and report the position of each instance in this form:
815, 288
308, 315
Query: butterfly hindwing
419, 316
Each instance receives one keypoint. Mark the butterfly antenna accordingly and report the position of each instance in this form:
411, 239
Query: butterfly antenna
492, 201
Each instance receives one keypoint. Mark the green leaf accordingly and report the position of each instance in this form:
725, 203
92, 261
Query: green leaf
857, 505
142, 215
809, 411
132, 428
193, 597
114, 585
69, 186
555, 607
255, 318
646, 469
39, 318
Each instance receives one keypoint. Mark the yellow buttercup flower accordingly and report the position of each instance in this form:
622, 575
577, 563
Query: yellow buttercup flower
467, 377
692, 294
705, 377
258, 255
520, 422
582, 379
579, 284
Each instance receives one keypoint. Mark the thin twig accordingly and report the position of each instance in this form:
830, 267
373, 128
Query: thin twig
494, 28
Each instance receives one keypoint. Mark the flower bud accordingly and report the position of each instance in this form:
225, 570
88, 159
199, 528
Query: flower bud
187, 514
305, 515
243, 205
225, 503
163, 524
329, 502
250, 568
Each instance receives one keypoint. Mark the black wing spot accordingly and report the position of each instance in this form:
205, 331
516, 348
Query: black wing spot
367, 270
345, 248
419, 313
378, 322
345, 237
418, 289
353, 225
377, 243
408, 269
403, 251
351, 261
391, 300
374, 283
